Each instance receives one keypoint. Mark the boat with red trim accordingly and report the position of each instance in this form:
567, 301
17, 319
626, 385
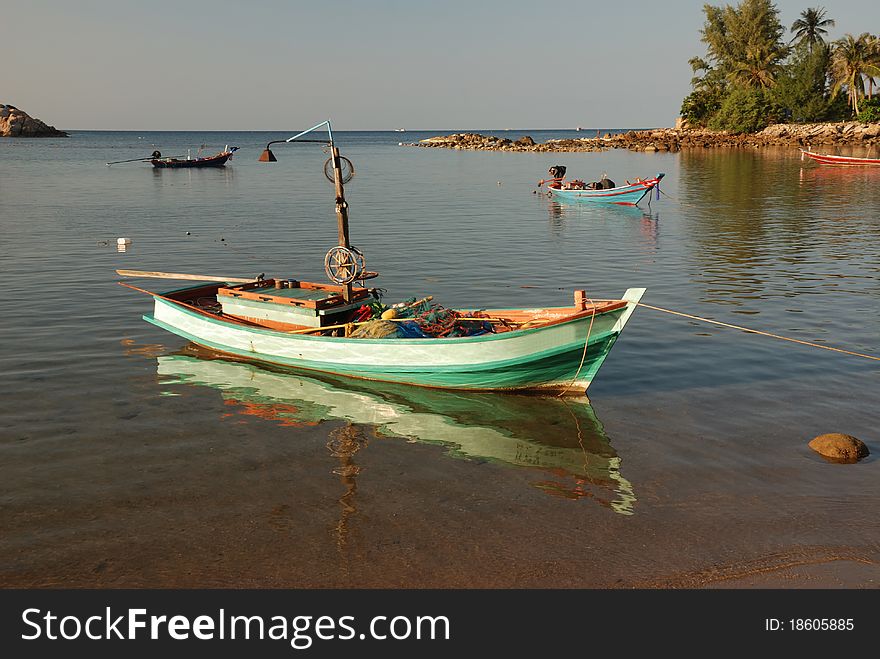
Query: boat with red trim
603, 190
827, 159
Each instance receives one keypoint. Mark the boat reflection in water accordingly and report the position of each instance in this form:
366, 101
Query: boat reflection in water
648, 219
561, 439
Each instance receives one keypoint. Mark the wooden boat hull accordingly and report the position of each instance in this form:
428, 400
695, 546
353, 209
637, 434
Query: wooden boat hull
627, 195
547, 357
846, 161
213, 161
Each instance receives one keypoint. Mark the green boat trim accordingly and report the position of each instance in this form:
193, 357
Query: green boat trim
536, 370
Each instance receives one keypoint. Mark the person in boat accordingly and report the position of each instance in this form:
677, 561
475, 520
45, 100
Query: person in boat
557, 173
156, 154
603, 183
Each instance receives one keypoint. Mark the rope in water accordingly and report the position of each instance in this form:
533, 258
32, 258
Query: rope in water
754, 331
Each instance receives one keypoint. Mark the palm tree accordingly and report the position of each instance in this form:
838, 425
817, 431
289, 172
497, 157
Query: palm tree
810, 27
711, 81
853, 60
759, 68
873, 63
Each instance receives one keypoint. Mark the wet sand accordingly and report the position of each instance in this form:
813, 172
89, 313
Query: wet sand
335, 505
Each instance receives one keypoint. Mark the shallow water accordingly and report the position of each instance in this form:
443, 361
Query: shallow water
127, 459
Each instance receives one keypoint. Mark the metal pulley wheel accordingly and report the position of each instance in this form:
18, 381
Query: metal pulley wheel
344, 265
345, 166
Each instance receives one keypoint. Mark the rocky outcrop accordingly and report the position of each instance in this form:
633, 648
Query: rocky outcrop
673, 139
16, 123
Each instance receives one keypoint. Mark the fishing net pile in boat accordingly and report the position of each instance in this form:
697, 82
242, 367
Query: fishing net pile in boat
375, 329
418, 319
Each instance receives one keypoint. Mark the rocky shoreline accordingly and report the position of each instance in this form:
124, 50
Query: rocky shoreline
18, 123
672, 139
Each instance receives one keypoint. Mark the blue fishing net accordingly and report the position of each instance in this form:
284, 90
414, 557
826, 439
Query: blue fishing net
410, 330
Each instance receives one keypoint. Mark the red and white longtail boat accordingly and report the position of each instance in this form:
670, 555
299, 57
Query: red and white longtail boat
826, 159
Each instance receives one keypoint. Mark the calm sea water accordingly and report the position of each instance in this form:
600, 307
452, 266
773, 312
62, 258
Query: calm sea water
129, 459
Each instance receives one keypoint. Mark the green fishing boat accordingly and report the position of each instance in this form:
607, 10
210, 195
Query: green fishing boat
315, 327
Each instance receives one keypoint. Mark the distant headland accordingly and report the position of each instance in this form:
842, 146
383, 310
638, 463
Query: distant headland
673, 139
18, 123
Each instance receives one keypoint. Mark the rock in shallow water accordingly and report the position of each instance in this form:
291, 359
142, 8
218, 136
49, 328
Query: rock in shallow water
838, 447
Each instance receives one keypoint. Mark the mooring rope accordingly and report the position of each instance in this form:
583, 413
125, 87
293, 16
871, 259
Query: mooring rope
754, 331
709, 320
583, 356
677, 201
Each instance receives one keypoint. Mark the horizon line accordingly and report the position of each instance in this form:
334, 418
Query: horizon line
352, 130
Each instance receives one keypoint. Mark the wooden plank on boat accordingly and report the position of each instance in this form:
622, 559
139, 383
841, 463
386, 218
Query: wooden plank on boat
310, 297
181, 275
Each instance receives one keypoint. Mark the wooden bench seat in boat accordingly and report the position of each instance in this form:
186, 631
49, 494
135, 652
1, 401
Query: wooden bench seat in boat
290, 304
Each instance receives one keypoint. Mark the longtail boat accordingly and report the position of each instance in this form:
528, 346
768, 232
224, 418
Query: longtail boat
827, 159
315, 327
217, 160
628, 195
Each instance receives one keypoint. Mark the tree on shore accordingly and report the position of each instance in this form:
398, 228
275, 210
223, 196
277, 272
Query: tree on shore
854, 60
759, 69
749, 77
873, 63
744, 55
744, 110
810, 27
709, 90
802, 92
745, 42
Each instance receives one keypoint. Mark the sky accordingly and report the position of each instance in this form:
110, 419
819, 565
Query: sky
369, 65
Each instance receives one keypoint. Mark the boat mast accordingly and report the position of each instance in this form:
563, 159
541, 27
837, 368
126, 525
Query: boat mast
341, 204
341, 208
